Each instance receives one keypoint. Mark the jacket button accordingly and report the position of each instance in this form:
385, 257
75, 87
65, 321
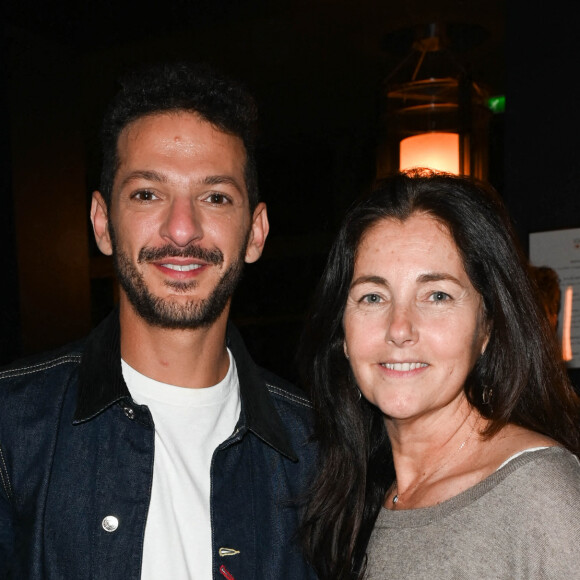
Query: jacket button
129, 413
110, 523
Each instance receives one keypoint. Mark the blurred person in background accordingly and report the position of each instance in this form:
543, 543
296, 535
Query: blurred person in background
548, 284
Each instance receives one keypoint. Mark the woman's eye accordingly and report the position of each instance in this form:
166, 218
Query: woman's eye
217, 198
371, 298
439, 296
144, 195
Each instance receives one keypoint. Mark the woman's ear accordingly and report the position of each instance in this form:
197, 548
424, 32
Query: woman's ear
487, 331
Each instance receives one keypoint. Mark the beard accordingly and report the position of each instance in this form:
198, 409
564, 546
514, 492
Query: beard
163, 312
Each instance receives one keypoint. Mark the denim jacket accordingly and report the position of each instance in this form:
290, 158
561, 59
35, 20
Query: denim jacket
76, 468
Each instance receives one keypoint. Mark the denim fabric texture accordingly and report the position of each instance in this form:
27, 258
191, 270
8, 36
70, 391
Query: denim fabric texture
76, 468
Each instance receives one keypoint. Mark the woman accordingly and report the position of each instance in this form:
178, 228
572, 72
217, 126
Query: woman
457, 461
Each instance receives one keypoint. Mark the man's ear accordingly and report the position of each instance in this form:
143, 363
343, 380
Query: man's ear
258, 233
100, 220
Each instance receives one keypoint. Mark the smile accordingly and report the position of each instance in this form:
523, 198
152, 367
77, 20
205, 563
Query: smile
404, 366
180, 268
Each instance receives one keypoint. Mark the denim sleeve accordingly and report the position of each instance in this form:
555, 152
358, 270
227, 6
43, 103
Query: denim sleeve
6, 524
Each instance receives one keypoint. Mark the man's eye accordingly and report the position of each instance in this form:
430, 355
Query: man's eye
217, 198
144, 195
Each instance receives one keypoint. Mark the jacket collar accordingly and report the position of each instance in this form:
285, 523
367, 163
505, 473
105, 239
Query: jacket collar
101, 384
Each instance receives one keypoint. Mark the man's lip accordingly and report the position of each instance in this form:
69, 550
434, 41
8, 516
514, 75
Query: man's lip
182, 260
183, 266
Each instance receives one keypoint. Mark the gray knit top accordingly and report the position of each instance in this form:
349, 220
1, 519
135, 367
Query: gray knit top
520, 523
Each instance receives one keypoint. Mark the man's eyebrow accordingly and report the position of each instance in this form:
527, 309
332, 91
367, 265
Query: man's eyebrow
155, 176
147, 175
222, 179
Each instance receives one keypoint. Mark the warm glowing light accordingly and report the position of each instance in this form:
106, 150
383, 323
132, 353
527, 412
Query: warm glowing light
567, 324
439, 151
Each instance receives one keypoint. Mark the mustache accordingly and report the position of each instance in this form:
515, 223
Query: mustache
214, 256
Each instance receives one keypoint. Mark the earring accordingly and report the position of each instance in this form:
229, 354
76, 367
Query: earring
486, 395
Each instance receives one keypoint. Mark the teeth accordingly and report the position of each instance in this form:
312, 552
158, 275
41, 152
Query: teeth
404, 366
179, 268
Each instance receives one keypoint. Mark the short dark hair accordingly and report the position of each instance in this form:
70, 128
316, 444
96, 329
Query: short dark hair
520, 363
174, 87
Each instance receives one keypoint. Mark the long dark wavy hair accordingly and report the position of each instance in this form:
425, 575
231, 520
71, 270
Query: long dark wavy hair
521, 363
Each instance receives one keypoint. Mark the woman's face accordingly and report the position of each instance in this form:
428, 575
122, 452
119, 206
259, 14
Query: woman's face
413, 321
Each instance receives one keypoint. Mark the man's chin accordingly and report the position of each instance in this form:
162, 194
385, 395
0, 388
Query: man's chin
177, 312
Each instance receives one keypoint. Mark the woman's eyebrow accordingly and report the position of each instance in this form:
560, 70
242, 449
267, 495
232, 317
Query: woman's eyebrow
437, 277
369, 280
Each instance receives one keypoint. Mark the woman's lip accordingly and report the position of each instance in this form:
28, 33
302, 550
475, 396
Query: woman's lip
404, 366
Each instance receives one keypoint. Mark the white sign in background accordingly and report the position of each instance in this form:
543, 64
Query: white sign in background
560, 250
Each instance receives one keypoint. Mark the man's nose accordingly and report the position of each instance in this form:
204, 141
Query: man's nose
182, 224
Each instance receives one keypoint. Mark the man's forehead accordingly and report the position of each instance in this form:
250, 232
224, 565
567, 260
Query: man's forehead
176, 127
148, 120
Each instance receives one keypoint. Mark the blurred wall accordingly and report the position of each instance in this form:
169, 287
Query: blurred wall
47, 163
542, 148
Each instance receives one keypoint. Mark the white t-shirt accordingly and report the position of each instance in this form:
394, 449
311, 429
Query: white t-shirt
189, 425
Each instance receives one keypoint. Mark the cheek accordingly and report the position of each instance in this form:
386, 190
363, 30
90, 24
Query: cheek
460, 345
138, 233
363, 335
227, 234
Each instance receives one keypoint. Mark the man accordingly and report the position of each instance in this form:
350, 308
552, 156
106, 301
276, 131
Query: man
156, 448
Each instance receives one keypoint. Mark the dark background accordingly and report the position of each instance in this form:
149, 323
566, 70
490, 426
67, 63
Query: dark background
316, 68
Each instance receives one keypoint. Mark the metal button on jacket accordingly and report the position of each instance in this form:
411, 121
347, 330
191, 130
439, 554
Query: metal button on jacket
110, 523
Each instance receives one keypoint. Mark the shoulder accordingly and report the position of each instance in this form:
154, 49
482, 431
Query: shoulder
548, 481
40, 363
542, 510
37, 376
292, 405
284, 391
550, 462
555, 467
294, 411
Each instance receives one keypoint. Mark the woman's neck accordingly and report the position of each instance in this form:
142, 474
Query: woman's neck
425, 458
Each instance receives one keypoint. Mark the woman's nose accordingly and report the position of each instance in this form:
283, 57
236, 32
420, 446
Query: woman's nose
401, 327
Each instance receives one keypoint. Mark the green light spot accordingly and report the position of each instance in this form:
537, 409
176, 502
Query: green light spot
496, 104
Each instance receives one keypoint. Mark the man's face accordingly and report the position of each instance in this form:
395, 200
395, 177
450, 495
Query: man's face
179, 225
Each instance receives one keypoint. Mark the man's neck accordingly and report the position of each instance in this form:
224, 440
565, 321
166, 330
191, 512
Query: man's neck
194, 358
